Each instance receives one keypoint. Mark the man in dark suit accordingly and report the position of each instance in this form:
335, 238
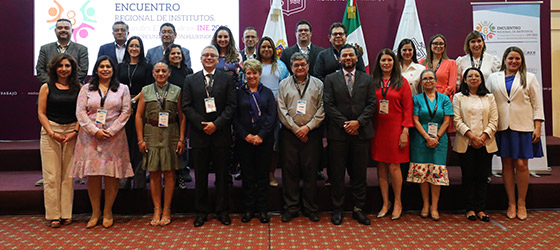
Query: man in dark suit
63, 31
115, 50
328, 60
209, 103
168, 34
350, 103
303, 35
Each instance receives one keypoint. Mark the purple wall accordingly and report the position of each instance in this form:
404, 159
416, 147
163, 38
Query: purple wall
379, 18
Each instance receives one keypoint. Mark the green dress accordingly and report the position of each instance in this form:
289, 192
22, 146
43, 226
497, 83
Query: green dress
161, 142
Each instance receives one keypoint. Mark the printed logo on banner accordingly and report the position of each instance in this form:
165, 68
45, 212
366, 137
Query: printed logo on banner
487, 29
82, 19
280, 46
290, 7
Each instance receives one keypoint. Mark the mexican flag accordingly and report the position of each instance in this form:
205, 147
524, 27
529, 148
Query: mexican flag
355, 34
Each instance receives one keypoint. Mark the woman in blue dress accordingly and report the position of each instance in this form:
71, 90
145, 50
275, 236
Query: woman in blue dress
428, 147
230, 59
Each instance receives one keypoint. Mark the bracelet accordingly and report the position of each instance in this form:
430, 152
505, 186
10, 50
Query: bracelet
75, 130
140, 142
182, 141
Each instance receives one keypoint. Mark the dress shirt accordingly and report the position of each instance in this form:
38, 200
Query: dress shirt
490, 64
288, 96
119, 51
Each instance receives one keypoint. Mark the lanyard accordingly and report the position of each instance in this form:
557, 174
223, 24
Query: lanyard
256, 103
304, 89
480, 64
428, 106
438, 64
102, 97
385, 89
160, 99
130, 76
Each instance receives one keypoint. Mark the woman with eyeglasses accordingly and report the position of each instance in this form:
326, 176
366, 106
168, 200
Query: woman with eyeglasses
476, 57
476, 120
432, 115
520, 111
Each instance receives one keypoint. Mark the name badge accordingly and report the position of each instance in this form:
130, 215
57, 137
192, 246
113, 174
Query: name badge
210, 104
101, 116
301, 107
432, 129
163, 121
384, 107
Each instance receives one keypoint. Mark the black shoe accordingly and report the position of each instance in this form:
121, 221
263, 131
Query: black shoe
199, 220
237, 176
263, 217
337, 218
484, 218
247, 216
313, 216
289, 216
361, 217
328, 183
320, 176
188, 178
224, 218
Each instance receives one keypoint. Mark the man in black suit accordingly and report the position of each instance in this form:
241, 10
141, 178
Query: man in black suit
303, 35
115, 50
328, 60
350, 103
209, 103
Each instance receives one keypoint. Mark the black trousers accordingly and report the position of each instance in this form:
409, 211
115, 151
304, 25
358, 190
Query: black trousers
299, 161
255, 167
139, 178
201, 159
353, 153
475, 164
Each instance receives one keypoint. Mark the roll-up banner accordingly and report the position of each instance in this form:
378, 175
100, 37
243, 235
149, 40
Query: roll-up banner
506, 24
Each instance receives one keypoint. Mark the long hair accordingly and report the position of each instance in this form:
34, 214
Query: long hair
464, 87
274, 54
141, 57
73, 82
168, 52
231, 51
377, 74
401, 45
430, 53
522, 69
94, 82
472, 35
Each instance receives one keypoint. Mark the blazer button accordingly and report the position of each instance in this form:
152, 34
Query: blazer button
509, 101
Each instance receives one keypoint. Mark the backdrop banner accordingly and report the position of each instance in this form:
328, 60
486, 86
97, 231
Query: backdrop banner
505, 25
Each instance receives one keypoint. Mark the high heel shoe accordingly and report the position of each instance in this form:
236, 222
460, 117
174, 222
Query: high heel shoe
383, 214
471, 217
92, 222
510, 214
107, 223
425, 214
157, 214
521, 213
435, 215
398, 216
166, 217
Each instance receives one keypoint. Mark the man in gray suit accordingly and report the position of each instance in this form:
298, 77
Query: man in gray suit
63, 31
350, 103
168, 34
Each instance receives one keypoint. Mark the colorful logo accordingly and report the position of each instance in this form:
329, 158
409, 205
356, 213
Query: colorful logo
487, 29
280, 46
290, 7
80, 22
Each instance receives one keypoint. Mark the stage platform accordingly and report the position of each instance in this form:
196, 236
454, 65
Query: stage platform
20, 167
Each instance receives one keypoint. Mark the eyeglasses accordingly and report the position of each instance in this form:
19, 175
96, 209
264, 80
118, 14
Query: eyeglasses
209, 55
338, 34
438, 44
428, 79
303, 30
303, 65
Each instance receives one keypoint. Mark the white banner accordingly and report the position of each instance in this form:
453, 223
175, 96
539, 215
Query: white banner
505, 25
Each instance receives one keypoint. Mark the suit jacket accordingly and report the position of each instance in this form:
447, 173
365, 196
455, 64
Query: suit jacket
108, 49
521, 107
463, 122
288, 52
49, 50
155, 55
341, 107
225, 96
327, 63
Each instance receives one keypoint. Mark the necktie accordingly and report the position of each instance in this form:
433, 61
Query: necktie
210, 82
350, 83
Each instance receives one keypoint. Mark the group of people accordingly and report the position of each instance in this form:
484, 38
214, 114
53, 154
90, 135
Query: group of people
134, 114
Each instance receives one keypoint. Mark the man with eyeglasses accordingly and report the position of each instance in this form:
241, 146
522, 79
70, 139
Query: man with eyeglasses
209, 103
327, 61
250, 39
168, 34
115, 50
300, 109
304, 45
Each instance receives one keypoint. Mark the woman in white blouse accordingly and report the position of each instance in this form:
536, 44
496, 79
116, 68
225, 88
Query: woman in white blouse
520, 110
476, 119
476, 57
410, 68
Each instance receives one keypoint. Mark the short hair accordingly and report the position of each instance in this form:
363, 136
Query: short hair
464, 87
338, 25
419, 86
302, 22
94, 82
120, 22
73, 81
349, 46
169, 25
161, 62
168, 53
249, 28
522, 68
63, 20
253, 64
401, 45
377, 74
299, 56
472, 35
210, 47
141, 57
